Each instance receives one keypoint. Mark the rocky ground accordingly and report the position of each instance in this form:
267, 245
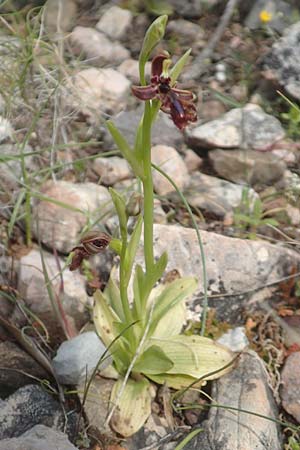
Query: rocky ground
66, 69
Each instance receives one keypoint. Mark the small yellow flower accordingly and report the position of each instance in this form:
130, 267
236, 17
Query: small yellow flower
265, 16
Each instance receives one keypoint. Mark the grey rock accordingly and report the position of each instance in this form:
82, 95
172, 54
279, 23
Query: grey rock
213, 195
290, 390
245, 387
281, 14
96, 46
190, 9
169, 160
33, 289
97, 401
92, 91
60, 16
235, 339
10, 167
76, 359
112, 170
13, 361
130, 69
39, 437
164, 131
186, 32
59, 226
247, 166
249, 127
6, 129
283, 61
192, 161
115, 22
29, 406
233, 266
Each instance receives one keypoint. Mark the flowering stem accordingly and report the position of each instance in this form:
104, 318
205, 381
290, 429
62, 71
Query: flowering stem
148, 189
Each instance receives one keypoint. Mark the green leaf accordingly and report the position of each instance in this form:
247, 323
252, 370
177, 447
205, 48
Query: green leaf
171, 323
153, 361
120, 206
177, 69
133, 408
146, 283
195, 356
124, 148
112, 295
175, 381
174, 293
152, 37
104, 317
104, 320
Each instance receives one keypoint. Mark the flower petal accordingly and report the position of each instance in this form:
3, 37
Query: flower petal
183, 94
144, 92
157, 65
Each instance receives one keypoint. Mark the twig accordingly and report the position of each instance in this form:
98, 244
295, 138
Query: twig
200, 62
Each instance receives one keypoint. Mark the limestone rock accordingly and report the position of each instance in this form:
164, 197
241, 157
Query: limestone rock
14, 359
60, 15
169, 160
189, 10
164, 131
93, 91
247, 166
33, 289
58, 225
284, 61
249, 126
245, 387
130, 69
112, 170
96, 46
115, 22
213, 195
290, 391
76, 358
39, 437
192, 161
6, 129
233, 265
29, 406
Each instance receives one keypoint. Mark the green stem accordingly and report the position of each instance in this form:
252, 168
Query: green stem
148, 189
123, 284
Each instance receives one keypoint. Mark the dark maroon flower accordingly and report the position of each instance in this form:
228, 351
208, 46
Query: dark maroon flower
91, 243
178, 103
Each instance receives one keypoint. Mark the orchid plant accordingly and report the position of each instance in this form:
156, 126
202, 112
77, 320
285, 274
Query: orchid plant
142, 330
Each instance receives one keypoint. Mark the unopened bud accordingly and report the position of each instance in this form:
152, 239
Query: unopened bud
134, 204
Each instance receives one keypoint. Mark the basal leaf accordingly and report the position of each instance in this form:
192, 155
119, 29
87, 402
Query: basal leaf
104, 319
195, 356
172, 322
133, 408
175, 381
112, 295
152, 361
174, 293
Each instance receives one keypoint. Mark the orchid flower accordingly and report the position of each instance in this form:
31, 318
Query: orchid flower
178, 103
